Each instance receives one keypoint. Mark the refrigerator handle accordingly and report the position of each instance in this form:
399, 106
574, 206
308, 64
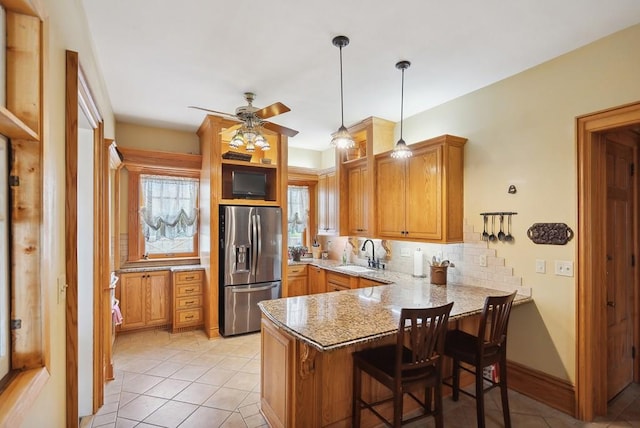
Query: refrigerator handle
258, 223
254, 247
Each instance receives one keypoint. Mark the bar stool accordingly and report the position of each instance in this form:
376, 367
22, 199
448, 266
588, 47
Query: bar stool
415, 360
487, 348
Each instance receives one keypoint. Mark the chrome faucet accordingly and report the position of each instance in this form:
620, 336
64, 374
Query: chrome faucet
371, 262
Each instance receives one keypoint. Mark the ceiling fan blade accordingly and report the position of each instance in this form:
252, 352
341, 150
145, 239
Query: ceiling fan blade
214, 111
272, 110
280, 129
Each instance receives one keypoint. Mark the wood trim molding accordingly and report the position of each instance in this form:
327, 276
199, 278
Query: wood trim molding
145, 160
298, 173
71, 237
542, 387
20, 395
591, 320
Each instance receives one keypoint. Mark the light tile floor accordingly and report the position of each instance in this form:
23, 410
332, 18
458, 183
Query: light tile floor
187, 380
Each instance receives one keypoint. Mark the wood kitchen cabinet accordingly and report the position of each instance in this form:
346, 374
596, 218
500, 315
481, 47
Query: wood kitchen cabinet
358, 177
316, 280
327, 208
356, 187
421, 197
297, 280
366, 282
187, 307
145, 300
339, 281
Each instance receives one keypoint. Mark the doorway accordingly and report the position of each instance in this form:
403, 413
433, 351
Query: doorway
608, 282
87, 247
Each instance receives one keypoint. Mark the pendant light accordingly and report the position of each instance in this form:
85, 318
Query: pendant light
401, 150
341, 139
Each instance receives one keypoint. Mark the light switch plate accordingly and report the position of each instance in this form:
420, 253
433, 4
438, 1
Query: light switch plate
483, 260
564, 268
541, 266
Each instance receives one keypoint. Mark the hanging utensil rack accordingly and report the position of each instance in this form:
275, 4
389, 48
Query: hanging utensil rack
499, 213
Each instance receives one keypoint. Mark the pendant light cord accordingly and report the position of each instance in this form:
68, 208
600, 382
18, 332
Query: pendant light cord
402, 104
341, 91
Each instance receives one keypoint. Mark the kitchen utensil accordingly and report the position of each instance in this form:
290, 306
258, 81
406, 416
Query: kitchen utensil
501, 234
509, 237
493, 237
485, 234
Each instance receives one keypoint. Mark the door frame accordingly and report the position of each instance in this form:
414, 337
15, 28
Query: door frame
78, 96
591, 315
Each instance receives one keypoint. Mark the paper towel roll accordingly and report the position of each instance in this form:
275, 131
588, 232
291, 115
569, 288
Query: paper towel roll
417, 263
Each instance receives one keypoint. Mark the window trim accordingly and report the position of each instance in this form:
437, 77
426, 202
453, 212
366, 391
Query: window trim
22, 123
142, 162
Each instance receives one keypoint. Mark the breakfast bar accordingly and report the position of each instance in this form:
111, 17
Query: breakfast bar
307, 343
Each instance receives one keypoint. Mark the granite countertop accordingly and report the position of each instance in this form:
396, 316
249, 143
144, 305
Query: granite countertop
333, 320
173, 268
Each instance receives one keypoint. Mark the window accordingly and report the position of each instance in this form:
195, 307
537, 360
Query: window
298, 215
168, 215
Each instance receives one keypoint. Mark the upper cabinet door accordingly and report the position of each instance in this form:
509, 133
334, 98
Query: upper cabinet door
424, 194
390, 197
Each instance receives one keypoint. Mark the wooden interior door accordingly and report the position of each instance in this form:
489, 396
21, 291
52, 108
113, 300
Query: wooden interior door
619, 268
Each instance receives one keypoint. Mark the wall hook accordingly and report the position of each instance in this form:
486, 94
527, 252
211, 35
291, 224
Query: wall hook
512, 189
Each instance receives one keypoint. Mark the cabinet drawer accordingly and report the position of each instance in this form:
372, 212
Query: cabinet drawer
340, 280
365, 282
188, 289
189, 316
189, 302
189, 276
297, 270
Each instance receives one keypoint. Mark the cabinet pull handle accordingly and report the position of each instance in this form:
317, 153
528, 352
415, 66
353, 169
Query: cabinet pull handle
188, 317
189, 303
189, 278
188, 290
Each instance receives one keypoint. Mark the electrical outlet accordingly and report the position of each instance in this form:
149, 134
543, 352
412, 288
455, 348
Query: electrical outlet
483, 260
404, 252
541, 266
564, 268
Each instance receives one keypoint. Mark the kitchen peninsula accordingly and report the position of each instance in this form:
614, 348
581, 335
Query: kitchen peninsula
307, 343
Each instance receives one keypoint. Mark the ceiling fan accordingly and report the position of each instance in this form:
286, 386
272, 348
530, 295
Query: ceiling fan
253, 117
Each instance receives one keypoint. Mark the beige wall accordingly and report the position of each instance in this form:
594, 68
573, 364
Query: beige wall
65, 28
157, 139
521, 131
304, 158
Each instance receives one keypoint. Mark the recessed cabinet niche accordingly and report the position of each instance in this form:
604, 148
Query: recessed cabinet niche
229, 167
421, 197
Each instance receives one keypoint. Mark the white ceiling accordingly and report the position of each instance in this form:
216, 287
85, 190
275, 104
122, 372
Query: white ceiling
160, 56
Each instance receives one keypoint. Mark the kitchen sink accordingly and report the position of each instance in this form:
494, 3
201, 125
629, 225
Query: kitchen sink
354, 269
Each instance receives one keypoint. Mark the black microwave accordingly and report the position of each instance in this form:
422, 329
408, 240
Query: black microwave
249, 185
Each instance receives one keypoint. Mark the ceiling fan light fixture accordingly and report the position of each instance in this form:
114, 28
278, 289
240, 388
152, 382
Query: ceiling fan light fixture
341, 139
260, 141
250, 147
237, 140
401, 150
266, 146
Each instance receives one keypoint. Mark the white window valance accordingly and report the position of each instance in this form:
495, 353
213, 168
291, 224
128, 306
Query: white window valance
169, 207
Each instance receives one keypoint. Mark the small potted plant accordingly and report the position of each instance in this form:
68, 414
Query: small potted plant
297, 251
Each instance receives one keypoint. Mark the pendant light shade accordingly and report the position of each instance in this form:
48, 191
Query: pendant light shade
401, 150
341, 139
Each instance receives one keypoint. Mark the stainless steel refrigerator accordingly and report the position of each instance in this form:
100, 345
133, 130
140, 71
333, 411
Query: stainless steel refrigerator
250, 265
